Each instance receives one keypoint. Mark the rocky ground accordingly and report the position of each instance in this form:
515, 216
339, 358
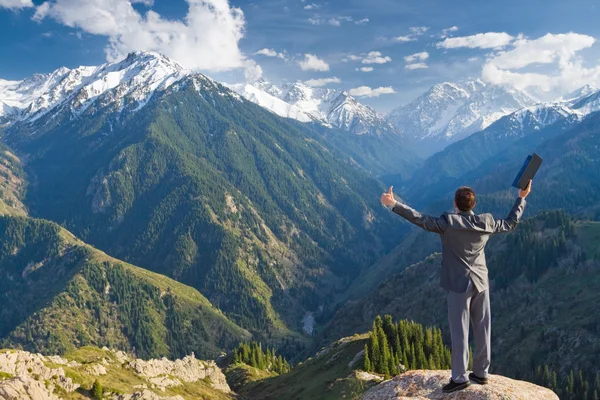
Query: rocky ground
27, 376
428, 385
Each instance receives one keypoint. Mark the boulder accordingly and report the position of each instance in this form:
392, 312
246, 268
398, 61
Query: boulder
422, 384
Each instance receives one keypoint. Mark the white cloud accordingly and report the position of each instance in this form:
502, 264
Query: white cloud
375, 57
352, 57
313, 63
446, 32
365, 91
362, 21
416, 66
337, 21
403, 39
558, 52
487, 40
315, 21
415, 31
545, 50
322, 82
417, 57
207, 38
271, 53
365, 69
252, 71
15, 4
312, 6
418, 30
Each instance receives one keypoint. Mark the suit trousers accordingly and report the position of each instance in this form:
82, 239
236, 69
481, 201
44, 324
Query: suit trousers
462, 307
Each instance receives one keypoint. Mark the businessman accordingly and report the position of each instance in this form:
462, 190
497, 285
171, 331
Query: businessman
464, 275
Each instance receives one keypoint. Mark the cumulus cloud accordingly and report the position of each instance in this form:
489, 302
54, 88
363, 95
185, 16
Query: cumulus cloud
448, 31
271, 53
15, 4
312, 6
487, 40
417, 57
337, 21
558, 52
416, 66
366, 91
375, 57
362, 21
322, 81
418, 30
207, 38
416, 61
313, 63
403, 39
415, 31
365, 69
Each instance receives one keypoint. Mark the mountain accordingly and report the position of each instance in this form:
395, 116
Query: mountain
263, 215
544, 280
58, 293
330, 107
450, 111
135, 78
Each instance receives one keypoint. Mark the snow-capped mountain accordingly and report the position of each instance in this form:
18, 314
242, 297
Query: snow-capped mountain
332, 108
451, 111
129, 82
569, 109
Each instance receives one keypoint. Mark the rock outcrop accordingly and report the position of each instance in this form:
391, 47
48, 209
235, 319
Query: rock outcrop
28, 376
423, 384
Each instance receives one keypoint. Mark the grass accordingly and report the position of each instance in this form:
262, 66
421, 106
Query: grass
323, 377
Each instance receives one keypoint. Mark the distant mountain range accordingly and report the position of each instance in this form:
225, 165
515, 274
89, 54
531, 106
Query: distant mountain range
330, 107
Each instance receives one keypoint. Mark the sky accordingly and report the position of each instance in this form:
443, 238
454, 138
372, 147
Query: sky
384, 52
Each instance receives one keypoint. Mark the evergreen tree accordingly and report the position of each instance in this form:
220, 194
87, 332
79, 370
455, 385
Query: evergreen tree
367, 361
97, 390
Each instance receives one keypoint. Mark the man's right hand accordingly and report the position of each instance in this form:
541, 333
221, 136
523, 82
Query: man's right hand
525, 192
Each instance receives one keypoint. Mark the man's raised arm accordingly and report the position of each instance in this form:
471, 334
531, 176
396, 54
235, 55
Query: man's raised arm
427, 222
514, 216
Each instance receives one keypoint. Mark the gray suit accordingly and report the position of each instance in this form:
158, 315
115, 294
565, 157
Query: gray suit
465, 277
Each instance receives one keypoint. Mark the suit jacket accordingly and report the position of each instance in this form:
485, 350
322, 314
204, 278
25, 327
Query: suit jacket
464, 236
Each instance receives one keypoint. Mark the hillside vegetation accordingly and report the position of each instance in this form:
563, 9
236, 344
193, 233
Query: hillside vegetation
58, 294
261, 215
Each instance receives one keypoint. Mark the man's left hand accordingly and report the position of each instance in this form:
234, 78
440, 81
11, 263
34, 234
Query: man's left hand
387, 199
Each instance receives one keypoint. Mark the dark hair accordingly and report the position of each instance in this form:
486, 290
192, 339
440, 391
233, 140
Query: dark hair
464, 198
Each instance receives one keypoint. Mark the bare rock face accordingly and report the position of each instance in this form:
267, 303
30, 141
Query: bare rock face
25, 365
25, 388
423, 384
188, 369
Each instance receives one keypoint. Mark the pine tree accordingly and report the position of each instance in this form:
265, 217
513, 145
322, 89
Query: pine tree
97, 390
367, 362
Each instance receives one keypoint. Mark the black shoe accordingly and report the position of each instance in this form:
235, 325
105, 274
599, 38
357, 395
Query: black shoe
478, 380
455, 387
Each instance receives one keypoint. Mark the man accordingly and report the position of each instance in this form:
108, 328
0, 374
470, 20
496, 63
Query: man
465, 275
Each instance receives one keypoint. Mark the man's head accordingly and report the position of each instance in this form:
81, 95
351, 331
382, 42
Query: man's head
464, 199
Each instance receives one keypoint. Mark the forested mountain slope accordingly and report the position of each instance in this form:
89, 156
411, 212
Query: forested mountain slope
258, 213
57, 294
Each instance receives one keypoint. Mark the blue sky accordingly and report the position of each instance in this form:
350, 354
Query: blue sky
340, 36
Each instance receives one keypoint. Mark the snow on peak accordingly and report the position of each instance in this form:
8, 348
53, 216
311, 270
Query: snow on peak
137, 77
451, 111
330, 107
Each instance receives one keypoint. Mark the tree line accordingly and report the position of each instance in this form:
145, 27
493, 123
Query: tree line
252, 354
406, 345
